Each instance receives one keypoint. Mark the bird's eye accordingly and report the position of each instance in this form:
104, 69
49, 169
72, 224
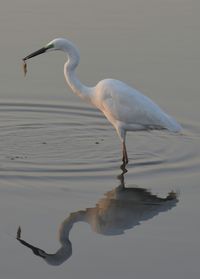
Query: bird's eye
49, 46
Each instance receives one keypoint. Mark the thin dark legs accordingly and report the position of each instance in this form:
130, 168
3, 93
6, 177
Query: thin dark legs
124, 154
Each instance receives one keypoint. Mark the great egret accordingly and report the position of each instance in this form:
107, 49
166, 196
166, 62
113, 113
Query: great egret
125, 108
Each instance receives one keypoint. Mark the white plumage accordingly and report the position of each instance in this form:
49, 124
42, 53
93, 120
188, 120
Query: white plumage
126, 108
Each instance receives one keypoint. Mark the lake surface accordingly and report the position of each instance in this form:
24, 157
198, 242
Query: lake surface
80, 214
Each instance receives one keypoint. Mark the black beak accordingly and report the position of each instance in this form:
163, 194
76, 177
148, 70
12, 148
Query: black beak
40, 51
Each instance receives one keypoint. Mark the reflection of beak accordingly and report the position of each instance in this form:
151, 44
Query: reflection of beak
39, 51
36, 251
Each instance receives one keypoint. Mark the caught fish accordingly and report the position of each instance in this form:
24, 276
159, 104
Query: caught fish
24, 67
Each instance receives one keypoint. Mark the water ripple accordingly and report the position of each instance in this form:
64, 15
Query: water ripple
56, 140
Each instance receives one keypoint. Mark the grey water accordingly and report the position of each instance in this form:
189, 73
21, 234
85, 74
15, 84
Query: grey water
60, 175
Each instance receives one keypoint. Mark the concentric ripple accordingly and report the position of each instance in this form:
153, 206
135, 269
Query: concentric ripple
59, 141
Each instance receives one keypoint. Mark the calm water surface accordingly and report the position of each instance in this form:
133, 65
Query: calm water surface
60, 174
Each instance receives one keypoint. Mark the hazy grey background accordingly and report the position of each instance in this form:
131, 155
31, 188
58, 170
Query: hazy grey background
150, 44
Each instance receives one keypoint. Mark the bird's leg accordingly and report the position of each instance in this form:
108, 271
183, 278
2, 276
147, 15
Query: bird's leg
122, 135
124, 154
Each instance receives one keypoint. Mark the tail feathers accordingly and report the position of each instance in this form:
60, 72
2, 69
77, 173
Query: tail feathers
171, 124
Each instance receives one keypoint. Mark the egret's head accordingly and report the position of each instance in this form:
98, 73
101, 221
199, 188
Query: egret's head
56, 44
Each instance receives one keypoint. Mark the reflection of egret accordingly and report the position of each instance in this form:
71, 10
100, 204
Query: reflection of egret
121, 209
126, 108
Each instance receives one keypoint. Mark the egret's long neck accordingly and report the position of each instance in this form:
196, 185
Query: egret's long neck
69, 71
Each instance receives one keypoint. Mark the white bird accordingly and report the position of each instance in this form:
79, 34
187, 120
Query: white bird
126, 108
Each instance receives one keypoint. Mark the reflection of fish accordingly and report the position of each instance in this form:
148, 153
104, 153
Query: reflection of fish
121, 209
19, 233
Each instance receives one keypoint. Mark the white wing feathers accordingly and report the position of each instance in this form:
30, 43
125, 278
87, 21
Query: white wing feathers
127, 105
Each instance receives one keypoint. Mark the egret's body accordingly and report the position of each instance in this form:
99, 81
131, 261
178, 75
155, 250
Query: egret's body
126, 108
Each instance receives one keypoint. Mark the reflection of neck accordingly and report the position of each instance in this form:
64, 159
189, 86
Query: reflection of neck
61, 255
65, 250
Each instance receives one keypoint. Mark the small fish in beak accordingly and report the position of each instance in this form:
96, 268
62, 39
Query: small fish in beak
35, 53
24, 67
